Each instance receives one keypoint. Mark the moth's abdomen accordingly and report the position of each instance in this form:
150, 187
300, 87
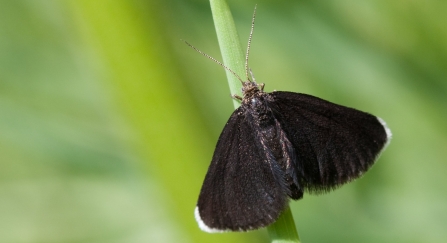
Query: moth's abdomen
274, 144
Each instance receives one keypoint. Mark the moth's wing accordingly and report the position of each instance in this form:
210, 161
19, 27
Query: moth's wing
242, 188
334, 144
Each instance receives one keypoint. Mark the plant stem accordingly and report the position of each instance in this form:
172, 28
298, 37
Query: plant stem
230, 46
283, 230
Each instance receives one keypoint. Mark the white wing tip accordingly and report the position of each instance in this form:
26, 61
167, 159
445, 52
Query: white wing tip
202, 224
389, 135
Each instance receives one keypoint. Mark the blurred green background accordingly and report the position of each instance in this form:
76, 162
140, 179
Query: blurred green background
108, 121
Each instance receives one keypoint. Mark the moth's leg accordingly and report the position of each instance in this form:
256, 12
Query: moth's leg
236, 97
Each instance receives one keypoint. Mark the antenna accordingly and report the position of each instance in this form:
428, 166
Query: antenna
249, 43
246, 55
212, 58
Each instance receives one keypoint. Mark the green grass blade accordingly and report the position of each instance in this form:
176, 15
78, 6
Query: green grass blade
284, 229
230, 46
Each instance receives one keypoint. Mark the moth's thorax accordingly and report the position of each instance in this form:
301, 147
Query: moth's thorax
257, 108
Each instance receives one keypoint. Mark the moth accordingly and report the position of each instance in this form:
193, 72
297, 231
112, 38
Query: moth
277, 146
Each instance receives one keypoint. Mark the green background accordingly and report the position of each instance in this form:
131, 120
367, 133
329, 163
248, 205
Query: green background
108, 121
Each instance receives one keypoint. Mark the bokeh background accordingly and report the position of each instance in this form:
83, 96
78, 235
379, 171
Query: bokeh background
108, 121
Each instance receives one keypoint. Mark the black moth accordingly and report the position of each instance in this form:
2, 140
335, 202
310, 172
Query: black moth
277, 146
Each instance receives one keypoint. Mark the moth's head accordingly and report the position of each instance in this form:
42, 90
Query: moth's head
249, 89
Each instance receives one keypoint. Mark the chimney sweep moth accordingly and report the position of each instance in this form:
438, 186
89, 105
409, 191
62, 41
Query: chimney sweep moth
278, 145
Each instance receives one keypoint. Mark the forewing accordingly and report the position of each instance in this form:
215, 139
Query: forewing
241, 190
334, 144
